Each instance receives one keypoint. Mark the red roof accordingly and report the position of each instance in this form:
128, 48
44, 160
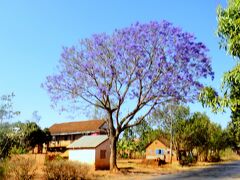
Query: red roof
75, 127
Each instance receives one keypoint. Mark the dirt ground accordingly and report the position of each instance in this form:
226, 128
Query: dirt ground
135, 169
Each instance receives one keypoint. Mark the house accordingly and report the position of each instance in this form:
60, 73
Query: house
160, 149
93, 150
63, 134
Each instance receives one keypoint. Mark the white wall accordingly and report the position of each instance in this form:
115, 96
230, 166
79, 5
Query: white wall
82, 155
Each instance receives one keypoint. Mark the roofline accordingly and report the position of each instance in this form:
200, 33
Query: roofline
77, 121
102, 142
69, 133
72, 148
159, 141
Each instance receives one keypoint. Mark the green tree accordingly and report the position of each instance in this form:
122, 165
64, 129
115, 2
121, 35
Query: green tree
229, 33
197, 134
172, 118
7, 139
30, 135
218, 140
127, 145
229, 27
21, 137
6, 108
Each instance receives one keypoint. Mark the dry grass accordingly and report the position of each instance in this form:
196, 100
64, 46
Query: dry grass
129, 169
136, 169
20, 168
229, 155
67, 170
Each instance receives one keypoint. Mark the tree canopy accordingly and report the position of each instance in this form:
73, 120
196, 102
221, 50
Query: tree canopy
229, 27
144, 65
229, 33
6, 107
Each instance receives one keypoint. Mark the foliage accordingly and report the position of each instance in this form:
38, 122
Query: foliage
20, 168
30, 135
127, 145
7, 139
2, 171
145, 64
229, 27
19, 138
191, 132
233, 140
172, 118
134, 141
228, 31
67, 170
6, 108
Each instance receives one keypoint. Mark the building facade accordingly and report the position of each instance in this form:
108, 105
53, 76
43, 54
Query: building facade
63, 134
159, 149
93, 150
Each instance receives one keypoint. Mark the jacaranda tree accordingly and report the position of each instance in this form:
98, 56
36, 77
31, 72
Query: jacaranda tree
130, 72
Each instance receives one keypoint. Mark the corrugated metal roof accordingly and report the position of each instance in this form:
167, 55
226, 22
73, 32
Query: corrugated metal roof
88, 141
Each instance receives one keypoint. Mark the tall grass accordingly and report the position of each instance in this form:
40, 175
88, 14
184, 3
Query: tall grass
19, 168
229, 155
67, 170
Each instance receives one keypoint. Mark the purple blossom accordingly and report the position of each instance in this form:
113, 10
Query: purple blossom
156, 58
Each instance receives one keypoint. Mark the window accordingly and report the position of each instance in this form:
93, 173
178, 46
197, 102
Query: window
102, 154
159, 151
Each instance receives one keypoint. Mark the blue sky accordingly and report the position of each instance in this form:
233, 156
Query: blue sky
33, 33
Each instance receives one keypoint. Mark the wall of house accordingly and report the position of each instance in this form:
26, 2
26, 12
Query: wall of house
158, 145
151, 150
100, 162
82, 155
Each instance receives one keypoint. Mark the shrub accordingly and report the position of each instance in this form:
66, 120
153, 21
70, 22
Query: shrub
214, 158
20, 168
2, 171
187, 160
66, 170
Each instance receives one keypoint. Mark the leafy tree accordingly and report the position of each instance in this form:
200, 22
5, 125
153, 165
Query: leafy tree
197, 134
6, 139
144, 64
146, 134
21, 137
218, 140
127, 145
6, 107
228, 27
231, 138
171, 117
228, 31
30, 135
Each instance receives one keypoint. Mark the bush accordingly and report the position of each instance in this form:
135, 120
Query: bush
66, 170
1, 171
187, 160
214, 158
20, 168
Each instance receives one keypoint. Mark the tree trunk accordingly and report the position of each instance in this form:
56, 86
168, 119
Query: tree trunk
171, 141
113, 155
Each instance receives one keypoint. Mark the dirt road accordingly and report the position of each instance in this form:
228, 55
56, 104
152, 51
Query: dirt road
222, 171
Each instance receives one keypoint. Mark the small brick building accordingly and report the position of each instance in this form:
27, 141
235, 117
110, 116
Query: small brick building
160, 149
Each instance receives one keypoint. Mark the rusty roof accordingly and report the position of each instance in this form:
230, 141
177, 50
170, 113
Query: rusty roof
76, 127
163, 140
